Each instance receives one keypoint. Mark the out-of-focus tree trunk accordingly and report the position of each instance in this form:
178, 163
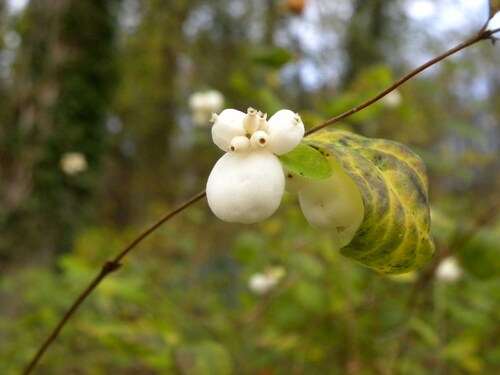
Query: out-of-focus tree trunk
146, 104
369, 27
61, 83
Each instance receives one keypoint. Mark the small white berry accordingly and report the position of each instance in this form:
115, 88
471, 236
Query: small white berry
239, 144
286, 130
227, 125
259, 139
73, 163
260, 283
449, 270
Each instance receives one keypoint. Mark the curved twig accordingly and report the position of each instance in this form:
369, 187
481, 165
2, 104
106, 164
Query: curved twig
482, 35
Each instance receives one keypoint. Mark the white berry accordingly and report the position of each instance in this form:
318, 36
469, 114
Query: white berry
286, 130
334, 204
245, 187
226, 126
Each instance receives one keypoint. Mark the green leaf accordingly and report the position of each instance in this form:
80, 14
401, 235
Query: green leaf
394, 235
271, 56
307, 162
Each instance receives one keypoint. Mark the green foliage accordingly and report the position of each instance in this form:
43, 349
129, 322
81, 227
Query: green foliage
206, 358
183, 310
475, 247
307, 162
480, 255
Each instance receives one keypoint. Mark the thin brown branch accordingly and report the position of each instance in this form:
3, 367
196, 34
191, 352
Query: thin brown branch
107, 268
481, 35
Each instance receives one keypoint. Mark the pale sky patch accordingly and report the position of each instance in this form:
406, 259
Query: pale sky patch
15, 6
421, 9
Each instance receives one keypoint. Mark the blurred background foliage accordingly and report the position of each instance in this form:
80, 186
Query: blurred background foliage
98, 140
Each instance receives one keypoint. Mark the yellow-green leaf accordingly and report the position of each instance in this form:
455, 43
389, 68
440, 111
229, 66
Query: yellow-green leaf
306, 162
394, 235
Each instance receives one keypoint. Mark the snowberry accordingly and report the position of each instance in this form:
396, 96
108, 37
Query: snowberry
285, 127
262, 283
449, 270
259, 139
245, 187
73, 163
392, 99
203, 103
227, 125
333, 204
247, 183
239, 143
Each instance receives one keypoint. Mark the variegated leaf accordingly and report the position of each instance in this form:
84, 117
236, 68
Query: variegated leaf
394, 235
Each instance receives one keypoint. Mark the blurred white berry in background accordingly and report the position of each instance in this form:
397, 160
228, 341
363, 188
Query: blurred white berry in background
247, 183
449, 270
262, 283
392, 99
203, 104
72, 163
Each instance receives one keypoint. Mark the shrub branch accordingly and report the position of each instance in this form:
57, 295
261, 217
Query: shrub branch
108, 267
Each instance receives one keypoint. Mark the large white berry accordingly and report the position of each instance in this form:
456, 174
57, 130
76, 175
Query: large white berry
245, 187
334, 204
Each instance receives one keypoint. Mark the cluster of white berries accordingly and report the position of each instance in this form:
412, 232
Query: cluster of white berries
247, 183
